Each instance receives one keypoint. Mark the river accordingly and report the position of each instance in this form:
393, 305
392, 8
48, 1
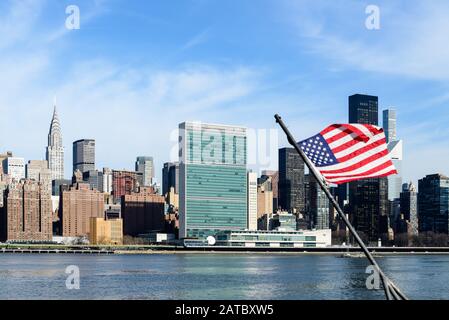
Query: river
217, 276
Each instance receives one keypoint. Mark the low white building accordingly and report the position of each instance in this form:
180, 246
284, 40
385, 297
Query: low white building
158, 237
269, 239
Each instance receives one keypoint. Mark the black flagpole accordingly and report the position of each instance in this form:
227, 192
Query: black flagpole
391, 291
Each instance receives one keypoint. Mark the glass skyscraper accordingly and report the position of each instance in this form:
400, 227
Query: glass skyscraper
433, 204
212, 179
291, 181
170, 177
368, 199
319, 205
395, 148
364, 109
389, 124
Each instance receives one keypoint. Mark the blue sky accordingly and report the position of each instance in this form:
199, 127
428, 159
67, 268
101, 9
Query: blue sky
137, 68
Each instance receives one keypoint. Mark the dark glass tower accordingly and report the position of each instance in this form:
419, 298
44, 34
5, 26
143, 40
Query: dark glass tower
368, 199
433, 204
170, 177
291, 181
364, 109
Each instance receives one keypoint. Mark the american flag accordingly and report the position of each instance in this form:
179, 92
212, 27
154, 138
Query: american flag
349, 152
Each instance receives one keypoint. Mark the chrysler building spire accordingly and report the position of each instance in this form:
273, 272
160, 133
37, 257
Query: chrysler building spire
55, 150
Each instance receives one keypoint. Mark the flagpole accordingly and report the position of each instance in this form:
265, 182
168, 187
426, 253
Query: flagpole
391, 291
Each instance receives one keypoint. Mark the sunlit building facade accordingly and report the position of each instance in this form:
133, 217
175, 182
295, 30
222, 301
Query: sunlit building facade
213, 179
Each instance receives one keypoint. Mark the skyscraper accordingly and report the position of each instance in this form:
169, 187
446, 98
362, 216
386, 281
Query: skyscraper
409, 204
369, 206
55, 151
291, 181
84, 155
395, 148
319, 205
368, 199
145, 166
212, 179
389, 124
170, 177
364, 109
433, 204
252, 200
395, 181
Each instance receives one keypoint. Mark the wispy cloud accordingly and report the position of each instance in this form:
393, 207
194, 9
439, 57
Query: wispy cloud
17, 21
411, 46
196, 40
412, 40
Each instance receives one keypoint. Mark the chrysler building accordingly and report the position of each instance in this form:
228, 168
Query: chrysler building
55, 150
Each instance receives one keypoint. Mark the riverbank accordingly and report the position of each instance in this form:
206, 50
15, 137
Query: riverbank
154, 249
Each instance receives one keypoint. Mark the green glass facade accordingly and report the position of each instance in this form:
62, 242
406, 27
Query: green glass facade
213, 178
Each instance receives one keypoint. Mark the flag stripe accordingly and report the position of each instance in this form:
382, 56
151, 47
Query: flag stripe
358, 161
372, 160
361, 131
362, 150
331, 128
341, 134
353, 146
375, 175
342, 141
345, 146
370, 169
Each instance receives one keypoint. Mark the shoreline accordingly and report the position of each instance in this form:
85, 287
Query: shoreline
350, 252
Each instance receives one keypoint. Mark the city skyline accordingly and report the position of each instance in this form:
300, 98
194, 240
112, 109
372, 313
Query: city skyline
202, 73
239, 151
157, 172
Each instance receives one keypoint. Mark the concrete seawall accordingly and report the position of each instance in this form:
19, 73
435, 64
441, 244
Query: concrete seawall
104, 250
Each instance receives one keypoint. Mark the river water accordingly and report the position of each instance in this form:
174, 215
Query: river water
217, 276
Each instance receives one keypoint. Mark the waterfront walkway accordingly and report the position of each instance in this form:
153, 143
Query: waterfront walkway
167, 249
